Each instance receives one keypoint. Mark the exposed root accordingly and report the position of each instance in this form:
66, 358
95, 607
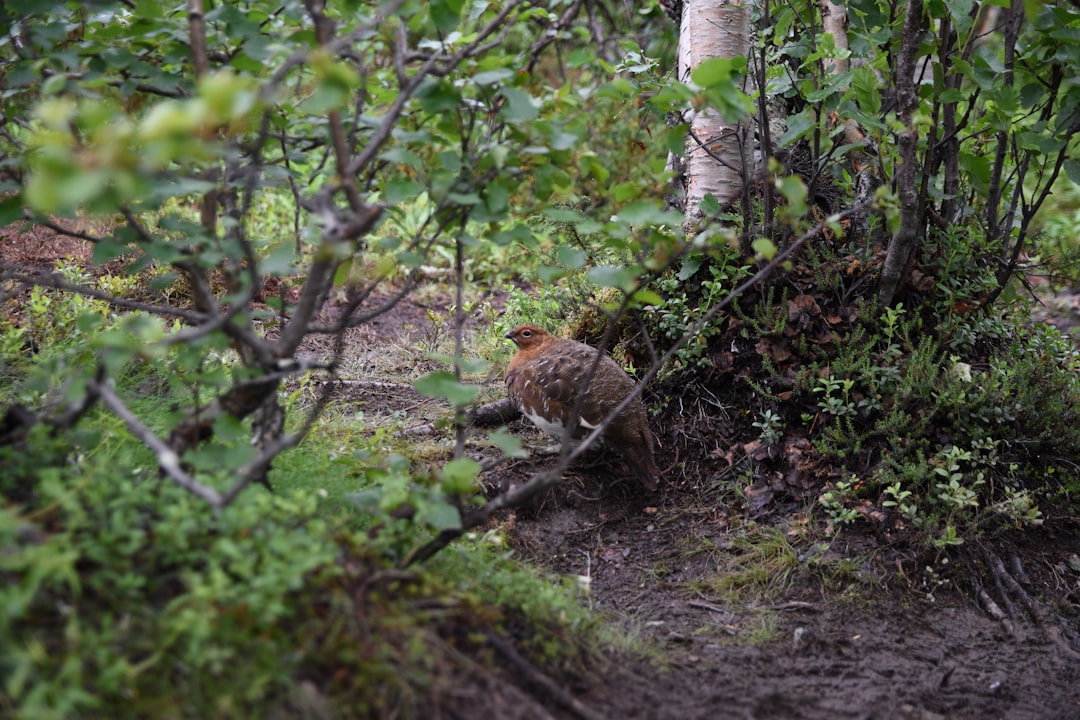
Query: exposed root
1012, 603
494, 413
541, 683
491, 695
489, 414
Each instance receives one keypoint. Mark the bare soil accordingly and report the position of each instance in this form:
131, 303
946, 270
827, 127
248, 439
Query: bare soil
863, 626
860, 627
878, 643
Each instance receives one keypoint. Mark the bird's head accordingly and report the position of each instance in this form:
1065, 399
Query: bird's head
527, 336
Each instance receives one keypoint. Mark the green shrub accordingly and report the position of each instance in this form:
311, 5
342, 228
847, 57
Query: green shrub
689, 292
121, 590
123, 596
962, 447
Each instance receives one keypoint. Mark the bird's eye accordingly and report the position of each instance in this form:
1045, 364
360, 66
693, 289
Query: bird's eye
526, 333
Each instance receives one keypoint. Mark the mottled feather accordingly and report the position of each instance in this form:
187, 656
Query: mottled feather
546, 377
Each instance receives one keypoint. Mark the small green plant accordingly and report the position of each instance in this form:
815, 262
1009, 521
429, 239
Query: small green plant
901, 500
948, 537
836, 396
59, 319
550, 306
956, 486
13, 341
689, 292
836, 502
770, 424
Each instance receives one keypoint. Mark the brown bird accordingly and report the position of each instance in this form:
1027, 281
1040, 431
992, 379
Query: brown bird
547, 375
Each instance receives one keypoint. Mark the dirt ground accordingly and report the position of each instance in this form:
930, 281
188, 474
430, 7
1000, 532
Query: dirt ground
868, 647
838, 632
895, 635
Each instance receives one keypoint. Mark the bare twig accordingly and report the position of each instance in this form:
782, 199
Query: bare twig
57, 281
167, 459
550, 689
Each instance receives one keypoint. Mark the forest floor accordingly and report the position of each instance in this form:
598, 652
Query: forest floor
744, 610
741, 609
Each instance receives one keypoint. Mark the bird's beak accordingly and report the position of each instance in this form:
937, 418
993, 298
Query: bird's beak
509, 336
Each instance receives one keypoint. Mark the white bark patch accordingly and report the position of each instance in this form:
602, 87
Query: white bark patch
710, 29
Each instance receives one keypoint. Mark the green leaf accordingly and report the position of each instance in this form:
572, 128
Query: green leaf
1072, 170
978, 169
280, 260
343, 272
675, 139
440, 515
624, 191
793, 189
613, 276
709, 205
952, 95
571, 257
867, 92
559, 214
1068, 34
764, 247
960, 12
798, 125
446, 14
148, 9
519, 233
228, 429
550, 273
690, 265
1031, 94
648, 297
403, 157
445, 385
396, 191
490, 77
438, 95
459, 476
643, 212
54, 85
11, 209
496, 198
509, 444
520, 106
464, 198
713, 72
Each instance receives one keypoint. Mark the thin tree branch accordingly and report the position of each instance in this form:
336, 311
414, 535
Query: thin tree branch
57, 281
167, 459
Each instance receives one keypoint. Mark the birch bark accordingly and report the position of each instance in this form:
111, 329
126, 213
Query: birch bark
714, 148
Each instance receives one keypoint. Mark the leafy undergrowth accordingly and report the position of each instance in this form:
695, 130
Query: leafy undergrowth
124, 596
932, 418
793, 431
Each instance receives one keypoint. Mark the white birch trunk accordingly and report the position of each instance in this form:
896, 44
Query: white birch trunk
834, 22
714, 157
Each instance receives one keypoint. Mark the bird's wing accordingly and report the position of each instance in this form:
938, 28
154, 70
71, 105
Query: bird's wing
562, 377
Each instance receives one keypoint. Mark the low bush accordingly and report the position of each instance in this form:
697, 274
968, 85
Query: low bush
121, 595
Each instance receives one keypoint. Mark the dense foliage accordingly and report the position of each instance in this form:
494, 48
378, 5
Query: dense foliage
259, 179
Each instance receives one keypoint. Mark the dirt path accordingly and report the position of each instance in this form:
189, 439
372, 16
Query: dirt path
847, 647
